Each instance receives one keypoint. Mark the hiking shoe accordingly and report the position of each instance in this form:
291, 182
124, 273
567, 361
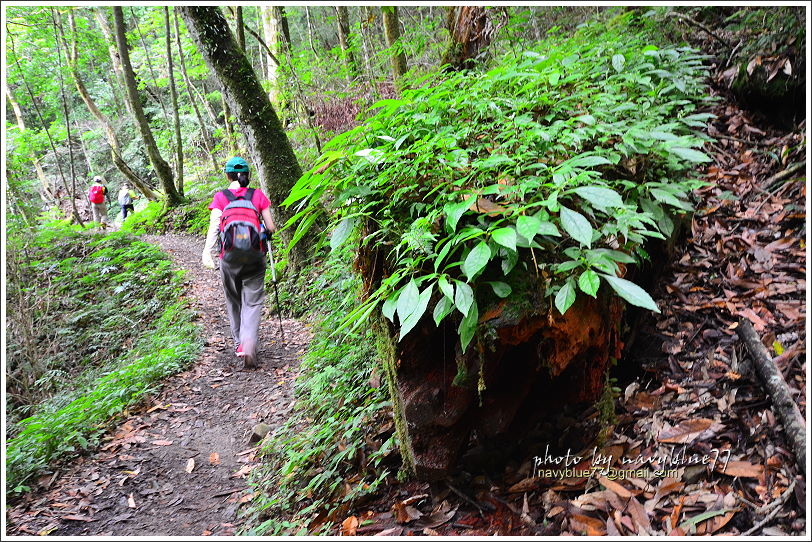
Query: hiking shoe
250, 362
239, 352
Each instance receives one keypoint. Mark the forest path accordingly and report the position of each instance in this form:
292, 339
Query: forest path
178, 464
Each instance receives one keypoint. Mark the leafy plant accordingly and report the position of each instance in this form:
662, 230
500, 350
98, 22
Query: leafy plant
559, 163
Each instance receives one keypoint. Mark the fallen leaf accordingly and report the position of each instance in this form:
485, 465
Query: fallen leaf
615, 487
588, 525
349, 526
131, 501
190, 465
685, 431
214, 458
394, 531
162, 442
79, 518
740, 469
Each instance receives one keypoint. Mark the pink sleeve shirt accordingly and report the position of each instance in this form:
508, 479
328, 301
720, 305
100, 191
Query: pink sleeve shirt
259, 199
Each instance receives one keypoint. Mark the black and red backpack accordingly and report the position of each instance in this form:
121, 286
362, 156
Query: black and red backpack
241, 230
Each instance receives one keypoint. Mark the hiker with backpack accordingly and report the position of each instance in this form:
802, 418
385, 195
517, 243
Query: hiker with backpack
126, 197
240, 217
96, 196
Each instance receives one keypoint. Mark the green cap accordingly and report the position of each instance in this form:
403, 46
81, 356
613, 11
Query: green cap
236, 164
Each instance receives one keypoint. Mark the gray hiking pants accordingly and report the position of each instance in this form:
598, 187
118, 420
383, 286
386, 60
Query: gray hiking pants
244, 287
99, 211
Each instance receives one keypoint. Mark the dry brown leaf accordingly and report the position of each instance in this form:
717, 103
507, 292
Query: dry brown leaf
740, 469
685, 431
79, 518
615, 487
484, 205
214, 458
162, 442
190, 465
349, 526
639, 515
588, 525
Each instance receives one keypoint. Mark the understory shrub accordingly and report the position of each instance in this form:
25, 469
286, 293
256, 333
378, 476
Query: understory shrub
96, 323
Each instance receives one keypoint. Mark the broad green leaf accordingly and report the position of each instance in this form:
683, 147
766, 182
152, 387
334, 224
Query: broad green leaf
414, 317
586, 119
505, 237
577, 226
389, 307
588, 282
669, 198
509, 261
618, 61
587, 161
463, 297
502, 289
599, 196
441, 310
619, 256
342, 232
407, 301
373, 156
528, 226
692, 155
476, 260
468, 325
565, 297
631, 292
446, 287
548, 228
455, 210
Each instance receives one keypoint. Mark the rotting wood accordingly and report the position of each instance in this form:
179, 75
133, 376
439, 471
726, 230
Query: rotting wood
776, 386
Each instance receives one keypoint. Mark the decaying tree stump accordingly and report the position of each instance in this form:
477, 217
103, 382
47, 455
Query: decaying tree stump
522, 355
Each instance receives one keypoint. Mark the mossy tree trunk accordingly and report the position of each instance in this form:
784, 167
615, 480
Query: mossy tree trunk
277, 168
343, 17
470, 33
391, 27
161, 167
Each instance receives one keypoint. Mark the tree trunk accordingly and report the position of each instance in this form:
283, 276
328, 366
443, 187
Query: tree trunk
344, 40
391, 27
310, 32
276, 165
174, 93
158, 163
101, 18
147, 54
47, 191
109, 132
208, 145
66, 113
274, 36
240, 25
470, 33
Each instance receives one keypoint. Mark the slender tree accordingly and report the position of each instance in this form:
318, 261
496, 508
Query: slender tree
160, 166
275, 41
107, 127
176, 113
46, 192
208, 145
343, 18
66, 116
310, 32
276, 165
391, 27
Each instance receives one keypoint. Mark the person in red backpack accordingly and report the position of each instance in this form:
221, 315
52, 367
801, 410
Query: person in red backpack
96, 196
238, 217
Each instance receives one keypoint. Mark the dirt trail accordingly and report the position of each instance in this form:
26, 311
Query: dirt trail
177, 466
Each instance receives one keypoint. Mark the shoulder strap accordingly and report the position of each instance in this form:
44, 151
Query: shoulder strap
249, 194
229, 195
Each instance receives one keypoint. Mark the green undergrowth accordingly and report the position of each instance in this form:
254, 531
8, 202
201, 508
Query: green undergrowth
95, 322
558, 163
337, 446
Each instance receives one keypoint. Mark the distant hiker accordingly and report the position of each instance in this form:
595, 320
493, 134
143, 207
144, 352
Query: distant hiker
125, 199
96, 196
238, 215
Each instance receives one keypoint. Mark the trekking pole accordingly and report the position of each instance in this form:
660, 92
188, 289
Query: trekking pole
275, 288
